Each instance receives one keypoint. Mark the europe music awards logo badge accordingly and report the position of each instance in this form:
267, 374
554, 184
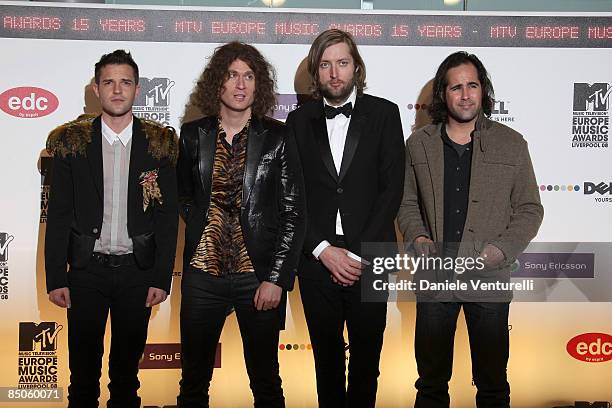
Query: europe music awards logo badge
591, 115
38, 361
153, 102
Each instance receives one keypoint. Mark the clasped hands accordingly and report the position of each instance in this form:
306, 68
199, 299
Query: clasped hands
344, 270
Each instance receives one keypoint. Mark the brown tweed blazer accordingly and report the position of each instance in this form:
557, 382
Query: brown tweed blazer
504, 206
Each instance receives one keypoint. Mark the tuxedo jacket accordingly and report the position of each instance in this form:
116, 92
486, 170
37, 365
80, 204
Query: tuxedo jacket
368, 189
76, 201
272, 214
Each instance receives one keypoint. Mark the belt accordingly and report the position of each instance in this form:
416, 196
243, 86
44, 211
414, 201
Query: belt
113, 261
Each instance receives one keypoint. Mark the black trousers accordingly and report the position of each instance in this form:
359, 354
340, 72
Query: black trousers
487, 325
94, 291
327, 307
206, 301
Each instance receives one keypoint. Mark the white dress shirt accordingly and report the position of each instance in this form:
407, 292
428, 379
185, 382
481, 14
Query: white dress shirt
337, 129
116, 147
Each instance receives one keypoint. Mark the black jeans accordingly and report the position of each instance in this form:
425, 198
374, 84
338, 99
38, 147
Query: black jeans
487, 325
327, 307
94, 291
206, 301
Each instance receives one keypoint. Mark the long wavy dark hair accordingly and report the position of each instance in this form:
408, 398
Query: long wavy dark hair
206, 96
324, 40
438, 110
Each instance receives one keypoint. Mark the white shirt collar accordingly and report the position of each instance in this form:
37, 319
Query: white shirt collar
124, 136
352, 98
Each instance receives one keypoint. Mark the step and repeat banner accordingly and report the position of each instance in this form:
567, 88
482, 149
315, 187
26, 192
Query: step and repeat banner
553, 80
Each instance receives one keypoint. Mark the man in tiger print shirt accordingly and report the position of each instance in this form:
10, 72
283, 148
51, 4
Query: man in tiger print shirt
241, 197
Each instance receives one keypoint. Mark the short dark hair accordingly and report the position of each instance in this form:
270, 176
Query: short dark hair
438, 110
117, 57
207, 95
324, 40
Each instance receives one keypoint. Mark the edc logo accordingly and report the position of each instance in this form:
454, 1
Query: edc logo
591, 347
28, 102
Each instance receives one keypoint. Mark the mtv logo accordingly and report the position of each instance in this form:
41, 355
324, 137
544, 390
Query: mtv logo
592, 97
154, 92
38, 336
5, 240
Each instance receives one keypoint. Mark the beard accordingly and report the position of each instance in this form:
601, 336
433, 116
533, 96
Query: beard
337, 96
463, 116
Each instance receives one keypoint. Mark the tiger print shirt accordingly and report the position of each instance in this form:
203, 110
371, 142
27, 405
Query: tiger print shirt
221, 249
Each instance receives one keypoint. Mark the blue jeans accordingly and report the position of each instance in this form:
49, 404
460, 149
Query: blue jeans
487, 325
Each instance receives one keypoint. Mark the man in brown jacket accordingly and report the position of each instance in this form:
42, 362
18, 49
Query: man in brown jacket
470, 192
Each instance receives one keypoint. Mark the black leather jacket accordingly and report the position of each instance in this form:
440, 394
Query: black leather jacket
272, 215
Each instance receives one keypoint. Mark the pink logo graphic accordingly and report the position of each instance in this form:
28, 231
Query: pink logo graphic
28, 102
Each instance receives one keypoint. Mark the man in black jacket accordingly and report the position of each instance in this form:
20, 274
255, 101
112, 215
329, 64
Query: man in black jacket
241, 195
352, 150
113, 218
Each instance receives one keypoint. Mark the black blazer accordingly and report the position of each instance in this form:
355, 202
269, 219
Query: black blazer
368, 190
272, 214
76, 201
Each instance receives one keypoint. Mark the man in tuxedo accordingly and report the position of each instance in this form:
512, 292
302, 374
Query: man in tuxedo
113, 218
351, 149
470, 187
241, 196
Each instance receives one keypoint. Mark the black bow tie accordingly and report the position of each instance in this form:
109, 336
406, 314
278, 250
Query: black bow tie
331, 111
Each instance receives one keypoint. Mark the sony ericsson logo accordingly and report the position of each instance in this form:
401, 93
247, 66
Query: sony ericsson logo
153, 101
168, 356
554, 265
285, 104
